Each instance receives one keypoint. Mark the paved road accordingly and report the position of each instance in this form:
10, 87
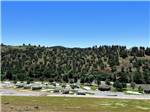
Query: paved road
13, 92
98, 94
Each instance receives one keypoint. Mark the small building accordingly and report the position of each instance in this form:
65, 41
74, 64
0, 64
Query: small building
81, 93
36, 87
48, 86
65, 91
27, 86
56, 91
74, 86
38, 83
104, 88
86, 88
19, 85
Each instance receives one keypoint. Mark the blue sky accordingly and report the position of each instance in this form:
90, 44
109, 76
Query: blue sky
76, 24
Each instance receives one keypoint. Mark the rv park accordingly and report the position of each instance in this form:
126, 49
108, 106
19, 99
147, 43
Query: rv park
9, 88
58, 97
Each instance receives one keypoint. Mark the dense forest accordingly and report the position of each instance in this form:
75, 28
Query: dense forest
87, 65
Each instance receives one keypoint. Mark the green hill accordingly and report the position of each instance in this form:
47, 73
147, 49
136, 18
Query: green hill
63, 64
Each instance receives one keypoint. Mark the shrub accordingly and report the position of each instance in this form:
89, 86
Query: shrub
119, 86
132, 85
28, 81
107, 82
140, 89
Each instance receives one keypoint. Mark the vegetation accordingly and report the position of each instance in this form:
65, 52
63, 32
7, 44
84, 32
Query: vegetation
71, 104
93, 64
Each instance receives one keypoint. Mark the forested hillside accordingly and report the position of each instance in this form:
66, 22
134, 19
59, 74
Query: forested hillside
62, 64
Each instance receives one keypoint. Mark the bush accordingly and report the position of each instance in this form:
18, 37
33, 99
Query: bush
119, 86
15, 81
124, 85
132, 85
28, 81
50, 80
63, 85
140, 89
107, 82
98, 82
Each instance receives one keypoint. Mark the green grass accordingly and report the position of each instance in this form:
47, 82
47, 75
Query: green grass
130, 89
93, 87
68, 104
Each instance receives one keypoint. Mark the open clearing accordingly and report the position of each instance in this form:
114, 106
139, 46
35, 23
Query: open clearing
71, 104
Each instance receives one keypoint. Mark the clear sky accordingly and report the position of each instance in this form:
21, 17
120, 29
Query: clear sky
76, 24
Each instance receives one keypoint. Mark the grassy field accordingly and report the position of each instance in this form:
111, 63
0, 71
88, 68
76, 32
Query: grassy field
68, 104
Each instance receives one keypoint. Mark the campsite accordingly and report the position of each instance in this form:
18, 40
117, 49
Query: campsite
9, 88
